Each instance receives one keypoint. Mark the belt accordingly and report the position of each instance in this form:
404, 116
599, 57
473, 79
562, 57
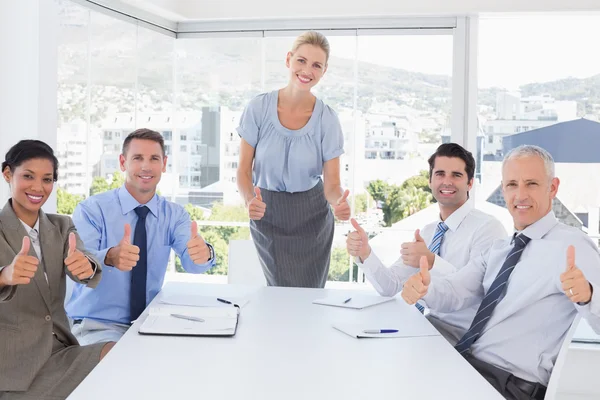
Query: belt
533, 389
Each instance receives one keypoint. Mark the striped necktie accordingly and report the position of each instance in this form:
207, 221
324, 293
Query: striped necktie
493, 296
434, 247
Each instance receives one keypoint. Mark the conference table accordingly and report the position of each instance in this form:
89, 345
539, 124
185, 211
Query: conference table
286, 347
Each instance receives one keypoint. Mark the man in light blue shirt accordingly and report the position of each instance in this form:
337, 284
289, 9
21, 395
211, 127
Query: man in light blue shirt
530, 286
134, 265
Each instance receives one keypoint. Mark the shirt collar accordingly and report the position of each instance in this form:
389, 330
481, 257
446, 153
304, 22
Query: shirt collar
541, 227
458, 216
28, 229
128, 203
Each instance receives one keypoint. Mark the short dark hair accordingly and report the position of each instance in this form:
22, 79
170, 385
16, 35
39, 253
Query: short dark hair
457, 151
27, 150
144, 134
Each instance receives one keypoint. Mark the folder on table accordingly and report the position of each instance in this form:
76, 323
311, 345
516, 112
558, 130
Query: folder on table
191, 321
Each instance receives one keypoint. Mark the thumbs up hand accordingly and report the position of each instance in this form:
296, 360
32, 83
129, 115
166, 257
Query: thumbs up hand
575, 285
256, 207
22, 269
76, 262
124, 256
413, 251
417, 285
357, 242
197, 247
341, 210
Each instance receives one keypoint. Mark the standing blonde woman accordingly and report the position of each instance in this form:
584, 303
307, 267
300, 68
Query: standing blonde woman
289, 140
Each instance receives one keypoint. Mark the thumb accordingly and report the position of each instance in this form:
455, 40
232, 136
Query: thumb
344, 197
127, 235
418, 237
257, 193
425, 276
194, 229
571, 258
357, 226
25, 246
72, 243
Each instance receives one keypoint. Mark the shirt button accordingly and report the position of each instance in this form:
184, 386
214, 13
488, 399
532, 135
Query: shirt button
47, 318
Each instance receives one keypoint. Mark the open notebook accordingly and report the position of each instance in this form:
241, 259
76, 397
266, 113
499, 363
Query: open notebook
191, 321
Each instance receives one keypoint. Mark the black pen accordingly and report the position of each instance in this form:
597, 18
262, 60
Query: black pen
347, 300
224, 301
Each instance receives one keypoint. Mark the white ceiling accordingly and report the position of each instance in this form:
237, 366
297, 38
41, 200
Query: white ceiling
203, 10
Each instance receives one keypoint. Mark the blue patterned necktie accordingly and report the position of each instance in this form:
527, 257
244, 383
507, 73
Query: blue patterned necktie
434, 247
140, 271
493, 296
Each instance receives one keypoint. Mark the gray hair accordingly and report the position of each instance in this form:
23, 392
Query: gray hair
529, 150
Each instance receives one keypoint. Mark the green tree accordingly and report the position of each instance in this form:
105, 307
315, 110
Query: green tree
339, 265
100, 185
66, 202
420, 181
361, 201
398, 202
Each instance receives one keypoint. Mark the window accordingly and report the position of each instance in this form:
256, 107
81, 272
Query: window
167, 135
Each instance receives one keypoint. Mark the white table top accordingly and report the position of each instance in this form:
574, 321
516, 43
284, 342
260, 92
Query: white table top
285, 347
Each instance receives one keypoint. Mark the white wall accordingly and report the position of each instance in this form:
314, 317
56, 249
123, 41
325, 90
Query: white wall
28, 74
227, 9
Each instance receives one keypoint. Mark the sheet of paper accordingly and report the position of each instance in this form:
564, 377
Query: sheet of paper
404, 331
201, 301
356, 301
216, 321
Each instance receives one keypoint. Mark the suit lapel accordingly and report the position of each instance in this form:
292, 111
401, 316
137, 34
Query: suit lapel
52, 251
15, 232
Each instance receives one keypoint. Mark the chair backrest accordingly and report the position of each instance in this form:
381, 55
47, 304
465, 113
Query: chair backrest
552, 390
244, 266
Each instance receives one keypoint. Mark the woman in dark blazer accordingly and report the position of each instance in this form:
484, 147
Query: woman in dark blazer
39, 358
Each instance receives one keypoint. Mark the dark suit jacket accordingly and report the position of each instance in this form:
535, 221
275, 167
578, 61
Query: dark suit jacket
29, 314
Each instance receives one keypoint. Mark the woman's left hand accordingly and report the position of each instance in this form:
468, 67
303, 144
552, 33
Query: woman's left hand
342, 209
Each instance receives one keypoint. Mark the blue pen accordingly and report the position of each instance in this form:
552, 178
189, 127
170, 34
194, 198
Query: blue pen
376, 331
347, 300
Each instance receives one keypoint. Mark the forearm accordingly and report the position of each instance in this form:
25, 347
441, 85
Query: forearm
387, 281
245, 186
333, 191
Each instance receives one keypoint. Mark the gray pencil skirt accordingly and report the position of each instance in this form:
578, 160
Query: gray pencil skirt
294, 238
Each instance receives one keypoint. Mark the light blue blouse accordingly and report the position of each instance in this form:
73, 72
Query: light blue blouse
288, 160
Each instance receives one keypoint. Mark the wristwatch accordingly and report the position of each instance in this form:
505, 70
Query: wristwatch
212, 252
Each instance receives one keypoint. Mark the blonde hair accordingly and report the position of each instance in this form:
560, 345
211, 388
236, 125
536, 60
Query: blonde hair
315, 39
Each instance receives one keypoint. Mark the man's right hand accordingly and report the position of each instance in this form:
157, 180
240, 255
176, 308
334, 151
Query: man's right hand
124, 256
22, 269
416, 286
357, 242
256, 207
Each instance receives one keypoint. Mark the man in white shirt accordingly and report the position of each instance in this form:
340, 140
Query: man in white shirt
460, 233
530, 286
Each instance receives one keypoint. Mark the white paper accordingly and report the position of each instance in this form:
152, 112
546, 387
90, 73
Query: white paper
404, 331
357, 301
217, 321
201, 301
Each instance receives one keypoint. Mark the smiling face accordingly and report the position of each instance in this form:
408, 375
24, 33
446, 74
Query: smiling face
143, 164
528, 190
307, 66
449, 182
31, 184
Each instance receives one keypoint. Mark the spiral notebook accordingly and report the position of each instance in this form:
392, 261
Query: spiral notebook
191, 321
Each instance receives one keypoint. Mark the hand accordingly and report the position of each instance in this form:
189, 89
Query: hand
576, 287
256, 207
22, 269
413, 251
357, 242
77, 263
416, 286
197, 247
342, 209
124, 256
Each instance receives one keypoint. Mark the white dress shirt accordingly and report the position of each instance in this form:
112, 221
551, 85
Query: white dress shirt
528, 325
470, 232
34, 236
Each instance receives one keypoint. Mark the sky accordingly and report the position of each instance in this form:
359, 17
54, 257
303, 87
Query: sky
513, 50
